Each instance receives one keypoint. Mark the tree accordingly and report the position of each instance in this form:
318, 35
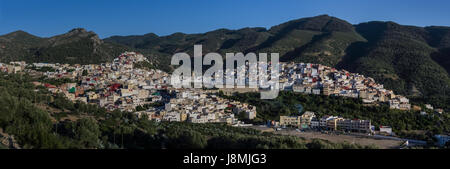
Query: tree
85, 73
87, 133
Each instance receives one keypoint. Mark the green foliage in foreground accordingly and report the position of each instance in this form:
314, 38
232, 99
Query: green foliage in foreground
95, 128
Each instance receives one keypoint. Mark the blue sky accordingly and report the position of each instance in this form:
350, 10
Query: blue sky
163, 17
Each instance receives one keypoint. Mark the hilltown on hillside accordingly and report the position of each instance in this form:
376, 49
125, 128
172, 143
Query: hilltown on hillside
124, 86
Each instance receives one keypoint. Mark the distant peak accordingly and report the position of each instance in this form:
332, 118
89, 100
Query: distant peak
178, 34
19, 32
323, 16
153, 35
75, 35
78, 30
324, 23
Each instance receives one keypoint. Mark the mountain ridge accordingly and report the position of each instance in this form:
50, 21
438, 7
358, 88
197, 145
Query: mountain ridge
409, 59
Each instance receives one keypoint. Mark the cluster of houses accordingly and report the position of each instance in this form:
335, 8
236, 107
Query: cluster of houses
298, 77
201, 106
116, 85
120, 85
12, 67
308, 120
429, 107
318, 79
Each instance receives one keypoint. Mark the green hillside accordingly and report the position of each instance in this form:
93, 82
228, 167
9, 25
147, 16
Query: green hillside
400, 57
